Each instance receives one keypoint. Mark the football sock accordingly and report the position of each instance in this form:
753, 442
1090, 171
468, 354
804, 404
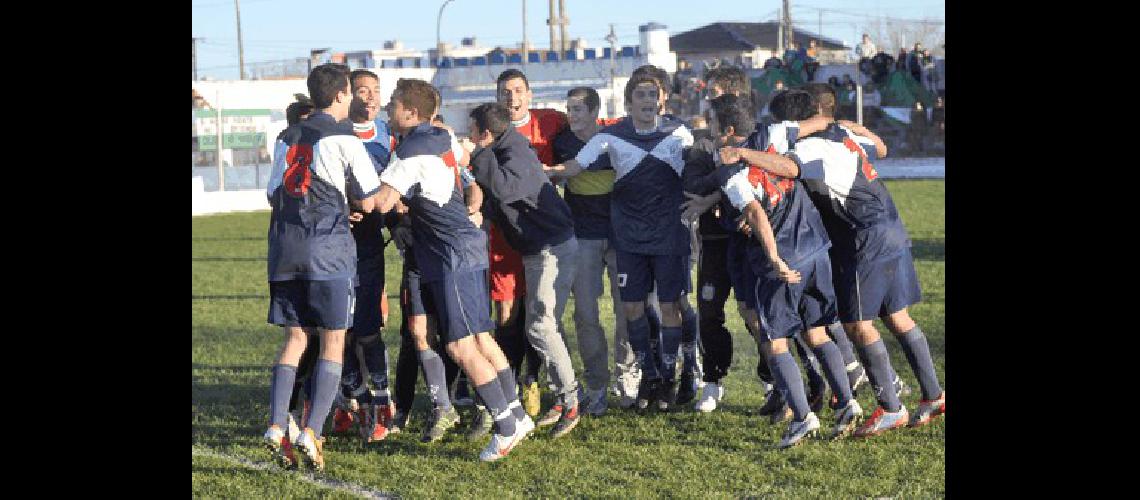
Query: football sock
670, 344
638, 330
789, 382
376, 360
918, 355
435, 377
509, 386
688, 338
835, 331
492, 394
882, 375
326, 379
832, 361
280, 388
811, 364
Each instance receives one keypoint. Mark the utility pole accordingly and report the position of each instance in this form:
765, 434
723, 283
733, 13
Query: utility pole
612, 38
562, 21
780, 32
789, 33
438, 44
241, 52
526, 45
819, 34
218, 118
551, 21
194, 55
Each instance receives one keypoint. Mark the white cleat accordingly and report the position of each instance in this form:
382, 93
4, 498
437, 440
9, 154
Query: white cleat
797, 431
500, 446
710, 394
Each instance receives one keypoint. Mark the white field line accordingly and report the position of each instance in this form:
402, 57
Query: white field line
307, 477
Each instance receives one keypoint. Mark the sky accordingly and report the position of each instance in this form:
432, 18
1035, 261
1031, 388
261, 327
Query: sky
287, 29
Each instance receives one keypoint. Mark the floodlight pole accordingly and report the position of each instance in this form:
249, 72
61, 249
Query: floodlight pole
438, 45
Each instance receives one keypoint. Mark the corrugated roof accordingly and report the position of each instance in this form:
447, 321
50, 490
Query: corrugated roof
743, 37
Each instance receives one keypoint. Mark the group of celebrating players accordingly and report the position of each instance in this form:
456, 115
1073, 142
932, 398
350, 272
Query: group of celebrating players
787, 213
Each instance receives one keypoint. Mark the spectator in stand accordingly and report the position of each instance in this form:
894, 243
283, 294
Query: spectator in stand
773, 62
930, 79
914, 63
881, 66
811, 64
699, 126
900, 63
833, 81
938, 119
866, 49
916, 133
846, 81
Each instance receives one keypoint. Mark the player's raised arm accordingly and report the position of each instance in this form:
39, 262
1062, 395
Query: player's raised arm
774, 163
880, 146
762, 228
570, 168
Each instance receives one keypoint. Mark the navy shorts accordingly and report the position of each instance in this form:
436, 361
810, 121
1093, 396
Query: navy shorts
638, 272
326, 304
368, 319
414, 298
866, 291
461, 304
740, 273
786, 309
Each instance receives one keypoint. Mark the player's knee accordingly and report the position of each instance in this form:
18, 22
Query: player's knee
816, 336
633, 310
862, 332
774, 347
899, 322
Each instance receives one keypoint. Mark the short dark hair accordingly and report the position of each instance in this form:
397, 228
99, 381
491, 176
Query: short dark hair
735, 111
493, 117
359, 73
593, 102
794, 104
637, 79
416, 94
302, 106
730, 79
325, 81
510, 74
649, 69
824, 97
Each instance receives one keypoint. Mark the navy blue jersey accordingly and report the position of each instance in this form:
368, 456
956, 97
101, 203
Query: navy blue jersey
645, 208
796, 223
858, 211
309, 236
588, 193
426, 172
367, 232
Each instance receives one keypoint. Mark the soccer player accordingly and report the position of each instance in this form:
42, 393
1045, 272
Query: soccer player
588, 196
312, 255
508, 283
451, 255
652, 244
791, 272
873, 269
526, 208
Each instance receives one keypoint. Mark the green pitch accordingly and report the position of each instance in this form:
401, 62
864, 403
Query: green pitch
727, 453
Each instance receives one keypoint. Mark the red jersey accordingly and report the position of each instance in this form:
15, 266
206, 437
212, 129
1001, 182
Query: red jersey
540, 130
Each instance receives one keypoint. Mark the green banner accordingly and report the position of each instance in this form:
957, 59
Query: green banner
244, 140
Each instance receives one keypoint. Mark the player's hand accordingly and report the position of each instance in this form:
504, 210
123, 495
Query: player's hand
476, 218
784, 272
466, 144
729, 155
355, 216
742, 226
695, 206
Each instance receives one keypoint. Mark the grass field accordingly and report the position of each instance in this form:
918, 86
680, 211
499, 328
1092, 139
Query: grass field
727, 453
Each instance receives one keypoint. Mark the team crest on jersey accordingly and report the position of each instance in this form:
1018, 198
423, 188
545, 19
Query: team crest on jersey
868, 170
298, 176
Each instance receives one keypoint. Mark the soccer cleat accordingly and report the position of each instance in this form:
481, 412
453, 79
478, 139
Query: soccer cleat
500, 446
441, 421
381, 422
667, 395
687, 388
846, 419
797, 431
774, 403
531, 399
399, 421
312, 449
647, 392
882, 421
524, 427
710, 394
481, 424
280, 447
292, 431
596, 404
566, 422
552, 415
344, 415
927, 410
817, 394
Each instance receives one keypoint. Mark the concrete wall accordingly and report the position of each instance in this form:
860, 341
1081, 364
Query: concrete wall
205, 203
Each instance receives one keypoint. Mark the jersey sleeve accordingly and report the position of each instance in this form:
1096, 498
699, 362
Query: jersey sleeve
593, 156
739, 191
781, 136
809, 158
361, 169
403, 173
867, 144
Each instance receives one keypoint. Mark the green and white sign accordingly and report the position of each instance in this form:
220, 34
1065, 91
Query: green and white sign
241, 128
